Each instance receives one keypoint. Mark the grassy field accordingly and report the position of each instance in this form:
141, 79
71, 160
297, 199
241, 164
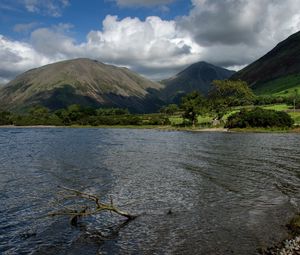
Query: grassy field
177, 119
296, 117
280, 87
277, 107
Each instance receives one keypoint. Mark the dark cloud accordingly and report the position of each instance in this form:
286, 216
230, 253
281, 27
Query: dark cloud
236, 32
224, 22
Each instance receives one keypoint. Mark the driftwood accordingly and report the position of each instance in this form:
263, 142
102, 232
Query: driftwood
87, 210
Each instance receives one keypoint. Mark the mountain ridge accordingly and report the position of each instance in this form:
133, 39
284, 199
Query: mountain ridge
281, 61
197, 76
83, 81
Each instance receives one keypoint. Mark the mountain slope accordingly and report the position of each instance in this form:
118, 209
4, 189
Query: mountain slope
80, 81
198, 77
271, 69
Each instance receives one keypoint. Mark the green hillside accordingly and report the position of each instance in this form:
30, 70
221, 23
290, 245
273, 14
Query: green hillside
277, 72
284, 86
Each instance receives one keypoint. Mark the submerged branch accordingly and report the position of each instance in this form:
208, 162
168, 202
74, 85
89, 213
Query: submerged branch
86, 210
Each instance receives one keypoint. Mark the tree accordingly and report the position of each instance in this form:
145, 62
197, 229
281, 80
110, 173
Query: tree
193, 104
169, 109
111, 111
39, 112
227, 93
5, 118
295, 99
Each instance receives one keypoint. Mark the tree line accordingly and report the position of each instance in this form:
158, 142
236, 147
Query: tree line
79, 115
227, 94
223, 96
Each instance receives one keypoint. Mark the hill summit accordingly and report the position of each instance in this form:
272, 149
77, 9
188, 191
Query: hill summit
197, 77
80, 81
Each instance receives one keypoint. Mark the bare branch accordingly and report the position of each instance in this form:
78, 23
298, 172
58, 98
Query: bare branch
85, 210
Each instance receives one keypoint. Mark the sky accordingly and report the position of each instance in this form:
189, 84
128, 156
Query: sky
156, 38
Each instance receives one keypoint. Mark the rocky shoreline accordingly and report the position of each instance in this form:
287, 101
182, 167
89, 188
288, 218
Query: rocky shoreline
289, 246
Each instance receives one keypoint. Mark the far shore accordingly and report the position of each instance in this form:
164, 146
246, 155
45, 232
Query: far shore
171, 128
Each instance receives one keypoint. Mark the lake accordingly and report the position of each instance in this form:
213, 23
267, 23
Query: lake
229, 193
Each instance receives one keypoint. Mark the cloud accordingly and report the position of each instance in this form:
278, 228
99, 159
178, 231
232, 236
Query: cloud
54, 43
8, 7
239, 31
230, 33
152, 46
16, 57
25, 27
151, 42
46, 7
147, 3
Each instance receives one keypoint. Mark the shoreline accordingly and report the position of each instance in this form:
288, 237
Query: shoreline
170, 128
288, 246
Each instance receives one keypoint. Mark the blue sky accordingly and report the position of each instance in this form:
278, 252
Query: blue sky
82, 15
155, 38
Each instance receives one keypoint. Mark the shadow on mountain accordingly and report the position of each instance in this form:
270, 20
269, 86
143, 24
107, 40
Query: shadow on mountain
66, 95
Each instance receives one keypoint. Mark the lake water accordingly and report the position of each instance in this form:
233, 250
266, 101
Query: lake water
229, 193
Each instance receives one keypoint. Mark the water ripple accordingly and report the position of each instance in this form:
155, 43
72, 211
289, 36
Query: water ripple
228, 193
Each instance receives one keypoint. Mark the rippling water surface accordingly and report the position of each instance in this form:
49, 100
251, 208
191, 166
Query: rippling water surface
229, 193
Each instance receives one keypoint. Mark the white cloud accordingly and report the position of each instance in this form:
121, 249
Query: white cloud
143, 41
53, 43
153, 47
145, 46
142, 2
230, 33
46, 7
16, 57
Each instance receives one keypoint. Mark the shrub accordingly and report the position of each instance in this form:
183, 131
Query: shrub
259, 117
5, 118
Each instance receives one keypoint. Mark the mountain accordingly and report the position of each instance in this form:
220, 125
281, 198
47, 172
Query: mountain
80, 81
276, 72
198, 77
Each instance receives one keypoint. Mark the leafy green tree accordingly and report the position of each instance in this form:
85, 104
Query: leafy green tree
63, 115
39, 112
193, 104
5, 118
37, 115
226, 93
169, 109
111, 111
74, 112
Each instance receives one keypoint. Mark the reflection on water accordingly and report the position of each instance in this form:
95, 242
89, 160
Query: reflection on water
228, 193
